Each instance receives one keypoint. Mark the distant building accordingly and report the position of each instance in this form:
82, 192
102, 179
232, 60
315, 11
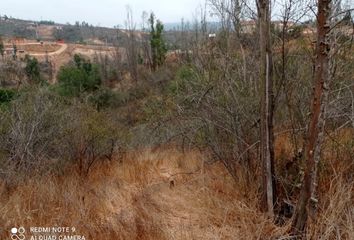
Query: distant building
248, 26
278, 25
212, 35
308, 31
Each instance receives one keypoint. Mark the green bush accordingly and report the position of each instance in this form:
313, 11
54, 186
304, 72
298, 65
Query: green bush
32, 69
106, 98
6, 95
80, 77
184, 76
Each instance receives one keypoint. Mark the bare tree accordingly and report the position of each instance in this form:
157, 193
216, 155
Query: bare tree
145, 40
229, 12
308, 201
132, 51
286, 81
267, 106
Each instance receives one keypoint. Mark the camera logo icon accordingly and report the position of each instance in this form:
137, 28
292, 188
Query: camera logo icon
18, 233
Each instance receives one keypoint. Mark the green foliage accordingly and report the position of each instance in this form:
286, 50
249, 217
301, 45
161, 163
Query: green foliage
32, 69
6, 96
157, 107
80, 77
184, 76
106, 98
157, 43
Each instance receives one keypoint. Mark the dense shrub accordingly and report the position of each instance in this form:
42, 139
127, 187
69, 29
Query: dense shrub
31, 130
12, 73
106, 98
184, 77
78, 77
6, 95
40, 132
89, 136
32, 69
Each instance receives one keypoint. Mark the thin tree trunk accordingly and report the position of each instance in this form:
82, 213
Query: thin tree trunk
267, 106
307, 203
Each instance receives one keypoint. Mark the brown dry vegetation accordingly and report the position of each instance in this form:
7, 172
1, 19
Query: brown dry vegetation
165, 194
206, 97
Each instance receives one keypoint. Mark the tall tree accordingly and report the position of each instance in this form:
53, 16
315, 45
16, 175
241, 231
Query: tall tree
145, 40
307, 202
158, 45
132, 51
267, 107
229, 13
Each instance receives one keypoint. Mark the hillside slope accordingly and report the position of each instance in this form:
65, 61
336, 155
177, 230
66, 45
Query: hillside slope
149, 195
153, 194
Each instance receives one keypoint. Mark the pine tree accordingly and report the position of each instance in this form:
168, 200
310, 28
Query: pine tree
157, 43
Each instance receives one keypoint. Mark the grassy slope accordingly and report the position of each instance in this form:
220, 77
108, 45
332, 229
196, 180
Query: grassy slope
134, 198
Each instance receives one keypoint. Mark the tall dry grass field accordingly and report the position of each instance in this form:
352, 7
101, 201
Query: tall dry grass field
161, 194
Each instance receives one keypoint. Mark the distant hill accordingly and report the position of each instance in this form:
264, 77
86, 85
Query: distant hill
11, 27
49, 30
82, 33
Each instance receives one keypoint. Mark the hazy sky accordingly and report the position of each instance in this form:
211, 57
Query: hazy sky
98, 12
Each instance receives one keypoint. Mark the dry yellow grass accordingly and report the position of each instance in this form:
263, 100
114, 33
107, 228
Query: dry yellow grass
161, 194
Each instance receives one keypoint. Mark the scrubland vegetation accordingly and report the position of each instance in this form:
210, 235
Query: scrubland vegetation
248, 134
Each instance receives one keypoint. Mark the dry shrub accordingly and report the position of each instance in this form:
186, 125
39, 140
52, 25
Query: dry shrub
335, 220
40, 133
336, 214
133, 198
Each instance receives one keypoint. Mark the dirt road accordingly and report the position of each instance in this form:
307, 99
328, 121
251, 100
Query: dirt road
62, 49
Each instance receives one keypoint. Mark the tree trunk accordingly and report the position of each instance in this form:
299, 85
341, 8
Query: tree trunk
267, 106
307, 201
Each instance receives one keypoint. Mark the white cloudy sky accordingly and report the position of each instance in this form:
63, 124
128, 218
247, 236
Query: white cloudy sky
97, 12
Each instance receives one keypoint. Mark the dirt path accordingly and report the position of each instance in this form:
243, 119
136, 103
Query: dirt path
175, 200
62, 49
65, 52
